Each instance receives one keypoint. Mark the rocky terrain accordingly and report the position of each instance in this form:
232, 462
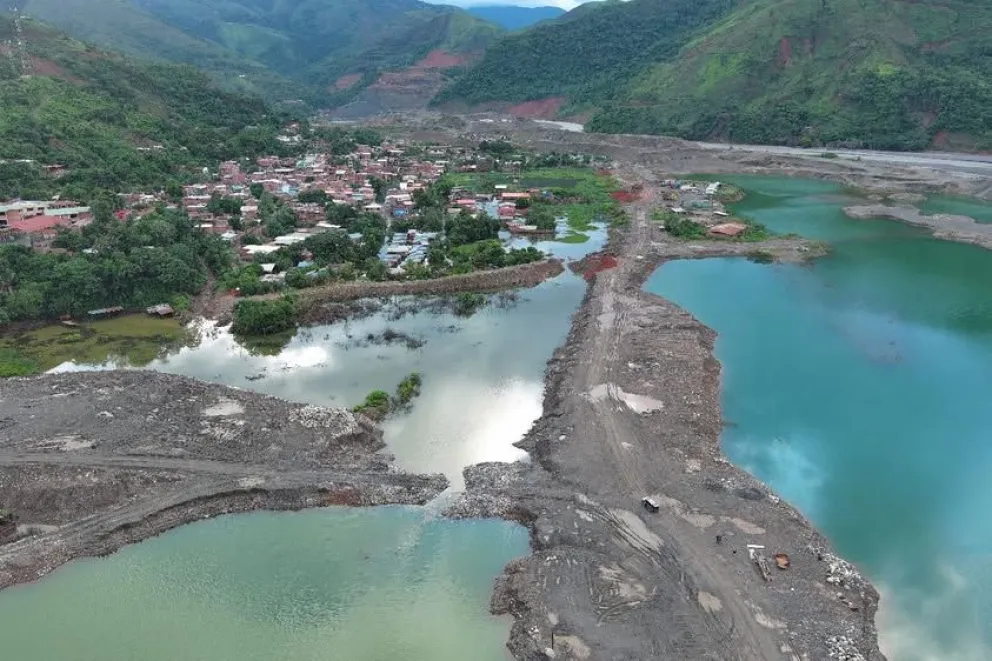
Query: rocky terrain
92, 461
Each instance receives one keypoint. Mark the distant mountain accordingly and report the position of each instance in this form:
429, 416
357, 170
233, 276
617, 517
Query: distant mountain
113, 122
338, 45
514, 18
895, 74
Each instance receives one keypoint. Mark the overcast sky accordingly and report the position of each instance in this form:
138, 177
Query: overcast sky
564, 4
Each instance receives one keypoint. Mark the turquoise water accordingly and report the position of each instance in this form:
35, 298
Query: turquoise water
323, 585
860, 388
962, 206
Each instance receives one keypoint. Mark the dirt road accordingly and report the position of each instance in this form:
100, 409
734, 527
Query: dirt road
632, 409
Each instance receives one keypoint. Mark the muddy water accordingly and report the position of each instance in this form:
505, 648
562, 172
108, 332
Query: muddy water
860, 388
321, 585
482, 375
328, 585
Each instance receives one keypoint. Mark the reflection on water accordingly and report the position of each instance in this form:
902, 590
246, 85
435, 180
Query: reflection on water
859, 388
332, 584
482, 375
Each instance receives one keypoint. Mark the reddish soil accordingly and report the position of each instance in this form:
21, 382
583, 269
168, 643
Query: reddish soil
941, 139
347, 81
41, 67
784, 52
540, 109
439, 59
624, 197
594, 264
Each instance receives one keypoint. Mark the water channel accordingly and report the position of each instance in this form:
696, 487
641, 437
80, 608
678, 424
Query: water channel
376, 585
859, 388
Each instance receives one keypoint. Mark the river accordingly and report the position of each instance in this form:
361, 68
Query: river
376, 585
858, 387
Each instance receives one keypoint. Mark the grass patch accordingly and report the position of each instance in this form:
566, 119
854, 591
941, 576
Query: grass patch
581, 194
138, 339
574, 237
13, 363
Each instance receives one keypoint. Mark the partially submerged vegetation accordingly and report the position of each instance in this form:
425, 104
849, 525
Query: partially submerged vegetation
264, 317
135, 340
379, 404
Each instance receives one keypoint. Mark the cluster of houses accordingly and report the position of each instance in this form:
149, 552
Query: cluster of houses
372, 179
36, 222
346, 180
697, 200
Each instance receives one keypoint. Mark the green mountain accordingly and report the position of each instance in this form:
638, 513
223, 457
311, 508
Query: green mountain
269, 42
892, 74
587, 54
112, 122
122, 26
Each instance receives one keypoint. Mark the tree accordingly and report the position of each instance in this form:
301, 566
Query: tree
256, 191
330, 248
464, 229
312, 196
174, 190
340, 214
379, 186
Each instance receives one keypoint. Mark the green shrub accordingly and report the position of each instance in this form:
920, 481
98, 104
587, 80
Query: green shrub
264, 317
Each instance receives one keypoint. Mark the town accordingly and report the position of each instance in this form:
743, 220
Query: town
370, 210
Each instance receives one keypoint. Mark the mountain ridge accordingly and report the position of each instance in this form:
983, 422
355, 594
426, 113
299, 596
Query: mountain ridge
886, 74
278, 49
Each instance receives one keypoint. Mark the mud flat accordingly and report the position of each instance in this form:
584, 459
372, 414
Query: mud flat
90, 462
962, 229
632, 409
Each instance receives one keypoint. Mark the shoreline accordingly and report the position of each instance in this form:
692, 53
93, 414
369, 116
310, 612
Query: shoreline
632, 408
944, 227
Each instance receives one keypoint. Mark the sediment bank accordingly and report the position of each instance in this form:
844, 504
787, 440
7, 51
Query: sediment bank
90, 462
962, 229
632, 409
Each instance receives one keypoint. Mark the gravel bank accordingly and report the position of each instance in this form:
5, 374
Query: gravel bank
90, 462
962, 229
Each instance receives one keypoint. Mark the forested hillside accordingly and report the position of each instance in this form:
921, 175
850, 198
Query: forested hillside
262, 45
586, 55
889, 74
112, 122
121, 26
